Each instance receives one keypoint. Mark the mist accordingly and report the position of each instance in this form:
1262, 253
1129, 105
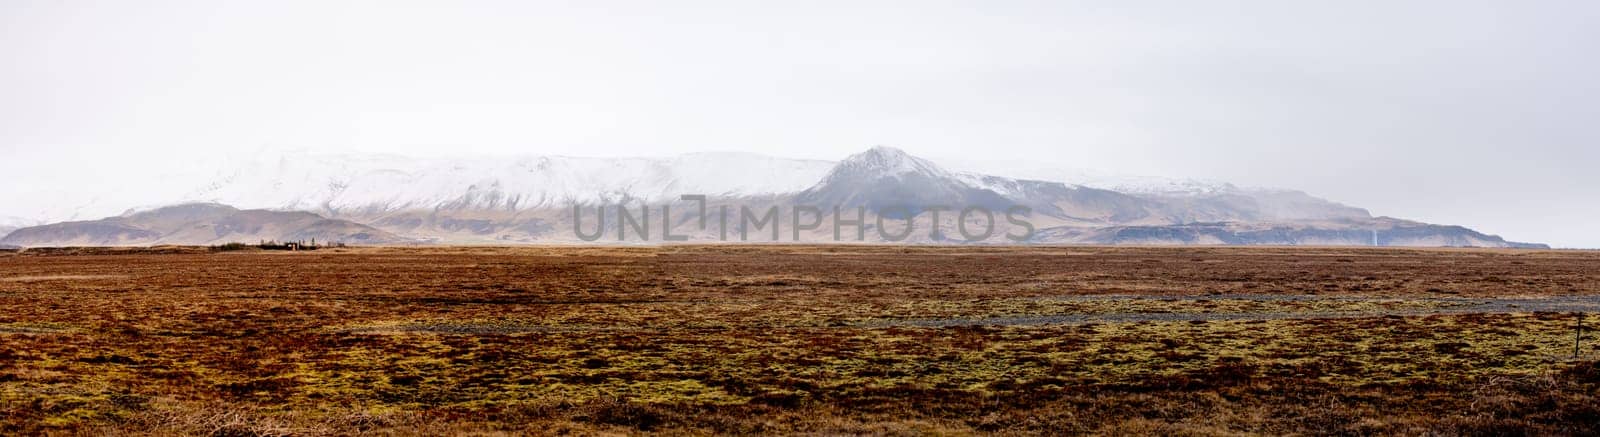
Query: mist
1471, 113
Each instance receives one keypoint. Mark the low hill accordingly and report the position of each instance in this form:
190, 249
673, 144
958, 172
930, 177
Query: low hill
198, 224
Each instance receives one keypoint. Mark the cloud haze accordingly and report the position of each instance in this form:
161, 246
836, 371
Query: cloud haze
1473, 113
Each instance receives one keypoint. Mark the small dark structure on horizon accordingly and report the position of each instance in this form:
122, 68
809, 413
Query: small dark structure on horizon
298, 245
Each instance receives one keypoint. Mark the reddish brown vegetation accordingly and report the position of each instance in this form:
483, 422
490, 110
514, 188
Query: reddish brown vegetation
759, 340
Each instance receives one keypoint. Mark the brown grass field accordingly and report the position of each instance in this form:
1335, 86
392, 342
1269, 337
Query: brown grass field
798, 340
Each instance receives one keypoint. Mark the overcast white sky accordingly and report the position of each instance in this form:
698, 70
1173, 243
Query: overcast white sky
1484, 114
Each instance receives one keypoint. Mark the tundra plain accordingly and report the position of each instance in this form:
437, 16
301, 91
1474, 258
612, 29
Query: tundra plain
798, 340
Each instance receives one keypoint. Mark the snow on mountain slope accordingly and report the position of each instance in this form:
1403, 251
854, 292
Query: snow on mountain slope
524, 199
370, 185
886, 177
1189, 199
1123, 183
366, 186
1152, 185
377, 183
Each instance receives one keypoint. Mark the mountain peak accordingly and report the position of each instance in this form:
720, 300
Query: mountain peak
882, 161
885, 150
884, 177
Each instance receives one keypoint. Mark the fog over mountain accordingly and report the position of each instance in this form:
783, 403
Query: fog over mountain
1476, 113
389, 199
10, 223
347, 184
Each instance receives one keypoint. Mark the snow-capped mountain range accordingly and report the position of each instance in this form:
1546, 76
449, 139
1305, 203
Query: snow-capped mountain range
347, 183
355, 183
531, 199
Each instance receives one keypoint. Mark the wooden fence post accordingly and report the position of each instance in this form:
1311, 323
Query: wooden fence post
1577, 340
